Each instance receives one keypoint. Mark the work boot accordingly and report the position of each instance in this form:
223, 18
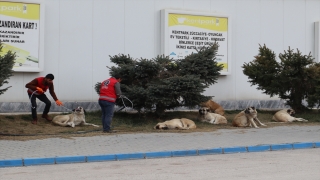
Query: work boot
109, 131
35, 121
45, 116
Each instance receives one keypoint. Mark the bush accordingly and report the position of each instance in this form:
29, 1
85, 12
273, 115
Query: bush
162, 83
295, 78
6, 65
313, 97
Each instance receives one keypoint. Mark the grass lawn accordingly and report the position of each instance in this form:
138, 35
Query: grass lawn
19, 127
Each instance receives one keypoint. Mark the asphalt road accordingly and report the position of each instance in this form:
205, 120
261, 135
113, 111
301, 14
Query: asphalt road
286, 164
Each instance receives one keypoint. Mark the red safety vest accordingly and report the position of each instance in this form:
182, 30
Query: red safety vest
40, 85
107, 90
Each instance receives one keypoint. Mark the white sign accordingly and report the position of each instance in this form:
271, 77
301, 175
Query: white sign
317, 41
20, 33
185, 31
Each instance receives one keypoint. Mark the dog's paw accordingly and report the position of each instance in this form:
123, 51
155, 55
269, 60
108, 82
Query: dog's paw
263, 125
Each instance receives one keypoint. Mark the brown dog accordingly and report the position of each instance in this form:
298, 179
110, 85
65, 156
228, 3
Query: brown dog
182, 123
246, 118
206, 116
286, 115
213, 106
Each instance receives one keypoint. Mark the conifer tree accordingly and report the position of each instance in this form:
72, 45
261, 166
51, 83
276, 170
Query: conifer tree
162, 83
313, 96
293, 79
6, 65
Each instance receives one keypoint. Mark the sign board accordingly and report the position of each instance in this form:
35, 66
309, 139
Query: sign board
317, 41
21, 32
182, 32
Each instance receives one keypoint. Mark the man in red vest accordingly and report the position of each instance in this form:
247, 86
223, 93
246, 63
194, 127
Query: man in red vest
36, 89
109, 92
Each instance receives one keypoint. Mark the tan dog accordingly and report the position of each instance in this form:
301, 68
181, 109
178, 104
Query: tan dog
213, 106
76, 118
247, 118
286, 115
206, 116
182, 123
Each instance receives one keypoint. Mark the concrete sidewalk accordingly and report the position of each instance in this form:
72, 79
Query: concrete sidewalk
154, 145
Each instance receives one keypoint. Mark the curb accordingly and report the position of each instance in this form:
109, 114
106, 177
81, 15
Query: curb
151, 155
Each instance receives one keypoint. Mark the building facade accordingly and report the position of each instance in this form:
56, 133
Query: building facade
80, 35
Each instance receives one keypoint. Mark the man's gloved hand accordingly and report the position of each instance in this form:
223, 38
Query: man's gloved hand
59, 103
40, 91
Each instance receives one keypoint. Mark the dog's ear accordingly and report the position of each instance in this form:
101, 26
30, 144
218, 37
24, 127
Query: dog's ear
247, 111
291, 112
156, 127
165, 128
253, 107
85, 113
73, 110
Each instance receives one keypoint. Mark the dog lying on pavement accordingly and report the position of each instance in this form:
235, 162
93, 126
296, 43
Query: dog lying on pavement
77, 117
205, 115
182, 123
286, 115
247, 118
214, 107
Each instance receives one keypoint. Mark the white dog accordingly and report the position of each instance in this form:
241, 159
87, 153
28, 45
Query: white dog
182, 123
77, 117
246, 118
206, 116
286, 115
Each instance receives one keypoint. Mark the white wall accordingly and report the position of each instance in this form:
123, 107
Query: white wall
81, 34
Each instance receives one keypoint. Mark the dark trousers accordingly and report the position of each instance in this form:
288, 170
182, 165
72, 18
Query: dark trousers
42, 98
107, 114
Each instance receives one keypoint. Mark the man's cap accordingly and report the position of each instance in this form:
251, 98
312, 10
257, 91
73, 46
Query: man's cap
50, 76
117, 76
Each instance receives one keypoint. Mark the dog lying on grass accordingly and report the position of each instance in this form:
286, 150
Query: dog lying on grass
286, 115
182, 123
77, 117
205, 115
247, 118
214, 107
